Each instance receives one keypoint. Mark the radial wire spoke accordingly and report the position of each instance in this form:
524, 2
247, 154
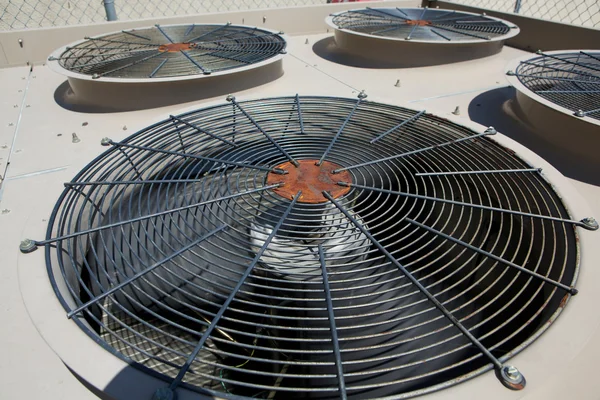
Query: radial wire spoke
154, 215
332, 327
569, 289
273, 141
233, 293
496, 363
583, 223
486, 133
145, 271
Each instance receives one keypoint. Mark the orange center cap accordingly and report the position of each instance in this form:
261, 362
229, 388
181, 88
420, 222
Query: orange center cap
174, 47
419, 22
311, 179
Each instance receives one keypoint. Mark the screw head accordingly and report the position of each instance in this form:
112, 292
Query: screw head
230, 97
95, 76
590, 223
580, 113
105, 141
27, 246
491, 131
456, 111
164, 394
511, 377
510, 73
362, 95
539, 52
75, 138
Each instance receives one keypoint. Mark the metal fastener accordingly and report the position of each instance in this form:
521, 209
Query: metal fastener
398, 83
164, 394
27, 246
20, 42
75, 138
230, 97
491, 131
510, 73
456, 111
580, 113
362, 95
106, 141
590, 223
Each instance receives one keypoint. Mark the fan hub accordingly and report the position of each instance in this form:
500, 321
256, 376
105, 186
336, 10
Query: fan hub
175, 47
311, 179
419, 22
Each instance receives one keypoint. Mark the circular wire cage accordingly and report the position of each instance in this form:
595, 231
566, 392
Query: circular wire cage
312, 247
568, 79
171, 51
422, 24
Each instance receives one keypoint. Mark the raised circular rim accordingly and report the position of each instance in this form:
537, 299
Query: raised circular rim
514, 30
516, 83
53, 63
65, 337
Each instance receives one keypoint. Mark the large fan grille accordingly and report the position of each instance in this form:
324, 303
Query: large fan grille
274, 339
172, 51
421, 24
570, 80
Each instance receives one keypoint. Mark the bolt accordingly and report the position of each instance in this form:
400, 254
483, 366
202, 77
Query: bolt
398, 83
539, 52
106, 141
10, 124
490, 131
580, 113
95, 76
20, 42
75, 138
230, 97
124, 127
456, 111
164, 394
52, 58
264, 19
362, 95
207, 72
510, 73
590, 223
27, 246
407, 38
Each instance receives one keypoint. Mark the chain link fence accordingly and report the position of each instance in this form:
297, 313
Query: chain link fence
576, 12
22, 14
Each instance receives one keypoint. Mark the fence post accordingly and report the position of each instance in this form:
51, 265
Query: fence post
109, 7
517, 6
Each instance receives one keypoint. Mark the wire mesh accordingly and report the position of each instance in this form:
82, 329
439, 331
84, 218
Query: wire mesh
421, 24
175, 247
570, 79
170, 51
577, 12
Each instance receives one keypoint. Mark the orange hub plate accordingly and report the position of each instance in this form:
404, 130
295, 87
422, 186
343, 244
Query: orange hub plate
311, 179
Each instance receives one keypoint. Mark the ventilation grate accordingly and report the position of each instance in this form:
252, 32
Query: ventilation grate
570, 80
171, 51
421, 24
312, 247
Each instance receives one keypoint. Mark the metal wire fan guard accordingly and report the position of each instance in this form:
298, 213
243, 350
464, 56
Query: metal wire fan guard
567, 79
313, 247
170, 51
421, 24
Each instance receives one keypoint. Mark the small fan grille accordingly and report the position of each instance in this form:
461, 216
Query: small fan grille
570, 80
171, 51
174, 246
421, 24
